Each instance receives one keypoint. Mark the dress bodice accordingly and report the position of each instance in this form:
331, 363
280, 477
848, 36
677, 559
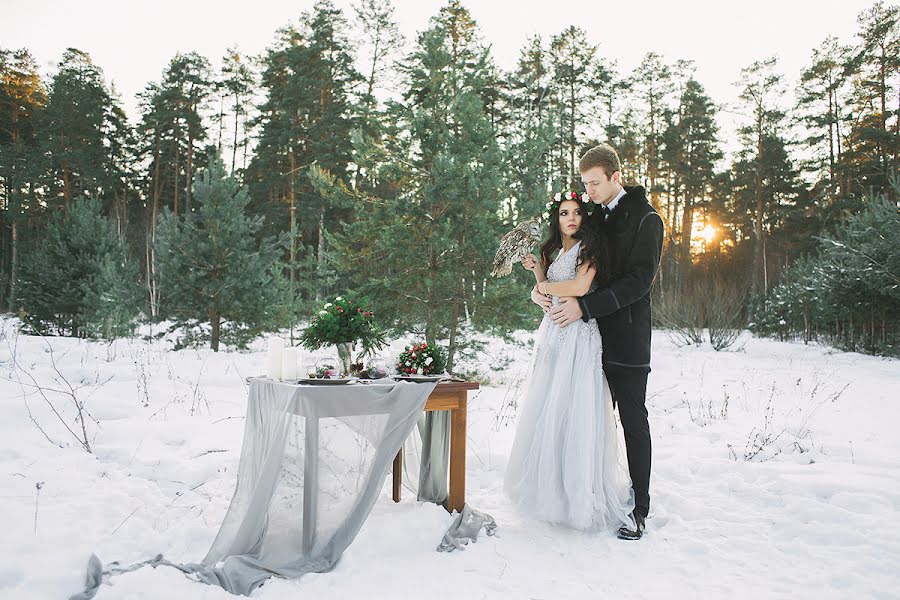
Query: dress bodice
565, 265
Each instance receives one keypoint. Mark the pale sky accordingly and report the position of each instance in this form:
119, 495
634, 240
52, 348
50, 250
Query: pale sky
133, 41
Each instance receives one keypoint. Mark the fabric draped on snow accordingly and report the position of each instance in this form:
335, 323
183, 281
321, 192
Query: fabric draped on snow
312, 464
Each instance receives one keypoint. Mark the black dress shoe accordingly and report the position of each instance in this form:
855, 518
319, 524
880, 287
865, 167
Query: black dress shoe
626, 533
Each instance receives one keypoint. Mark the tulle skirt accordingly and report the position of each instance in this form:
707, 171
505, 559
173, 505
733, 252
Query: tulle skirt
567, 462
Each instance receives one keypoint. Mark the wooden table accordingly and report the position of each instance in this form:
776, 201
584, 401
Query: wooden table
452, 396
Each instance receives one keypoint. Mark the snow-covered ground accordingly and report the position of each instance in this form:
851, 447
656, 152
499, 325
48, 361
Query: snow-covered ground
776, 474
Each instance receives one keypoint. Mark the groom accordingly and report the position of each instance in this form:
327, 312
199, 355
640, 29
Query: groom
634, 233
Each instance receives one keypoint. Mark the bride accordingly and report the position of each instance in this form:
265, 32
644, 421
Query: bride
566, 463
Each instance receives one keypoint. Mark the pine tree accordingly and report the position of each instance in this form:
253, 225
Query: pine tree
171, 133
701, 155
77, 280
219, 278
578, 79
530, 135
382, 41
760, 86
85, 135
238, 82
22, 97
875, 140
846, 292
305, 119
821, 95
422, 256
653, 85
691, 149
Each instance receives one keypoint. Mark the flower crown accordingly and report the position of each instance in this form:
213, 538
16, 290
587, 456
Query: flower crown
558, 197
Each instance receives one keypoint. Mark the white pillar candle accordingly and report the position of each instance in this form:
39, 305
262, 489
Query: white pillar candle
289, 364
276, 347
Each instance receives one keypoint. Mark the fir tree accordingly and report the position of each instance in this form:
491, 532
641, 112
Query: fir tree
423, 256
218, 277
77, 280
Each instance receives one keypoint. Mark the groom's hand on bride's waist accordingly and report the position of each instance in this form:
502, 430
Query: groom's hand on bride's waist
567, 311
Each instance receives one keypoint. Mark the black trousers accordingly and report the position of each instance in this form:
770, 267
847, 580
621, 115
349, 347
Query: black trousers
629, 393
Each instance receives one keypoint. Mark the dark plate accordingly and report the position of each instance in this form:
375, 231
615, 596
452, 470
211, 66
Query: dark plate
421, 378
327, 381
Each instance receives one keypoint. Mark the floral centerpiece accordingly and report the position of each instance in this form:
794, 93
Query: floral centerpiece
421, 359
324, 371
342, 322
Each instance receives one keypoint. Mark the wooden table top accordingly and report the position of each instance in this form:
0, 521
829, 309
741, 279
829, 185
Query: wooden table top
457, 386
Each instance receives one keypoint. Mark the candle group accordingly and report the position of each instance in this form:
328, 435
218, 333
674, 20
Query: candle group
281, 362
289, 364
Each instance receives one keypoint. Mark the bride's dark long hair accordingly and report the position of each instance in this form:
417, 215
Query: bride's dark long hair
595, 249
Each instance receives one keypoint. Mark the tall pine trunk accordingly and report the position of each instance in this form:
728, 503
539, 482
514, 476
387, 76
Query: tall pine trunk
189, 174
237, 114
687, 225
152, 291
883, 89
320, 252
759, 258
454, 326
215, 322
14, 263
175, 176
293, 216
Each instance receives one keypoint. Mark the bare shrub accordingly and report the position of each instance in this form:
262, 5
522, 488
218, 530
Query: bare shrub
705, 412
681, 317
60, 395
724, 301
708, 307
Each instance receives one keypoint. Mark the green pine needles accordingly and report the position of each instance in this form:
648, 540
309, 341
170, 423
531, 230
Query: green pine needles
219, 278
344, 320
78, 280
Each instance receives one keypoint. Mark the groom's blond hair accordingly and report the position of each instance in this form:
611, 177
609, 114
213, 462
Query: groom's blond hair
603, 156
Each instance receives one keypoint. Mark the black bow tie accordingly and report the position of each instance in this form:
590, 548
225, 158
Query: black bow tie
604, 210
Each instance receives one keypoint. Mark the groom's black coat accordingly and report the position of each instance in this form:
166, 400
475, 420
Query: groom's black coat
634, 232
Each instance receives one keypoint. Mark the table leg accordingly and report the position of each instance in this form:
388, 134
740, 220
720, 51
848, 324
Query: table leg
457, 492
310, 481
398, 474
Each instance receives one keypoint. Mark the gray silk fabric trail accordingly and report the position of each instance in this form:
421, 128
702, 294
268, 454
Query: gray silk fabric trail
426, 458
313, 462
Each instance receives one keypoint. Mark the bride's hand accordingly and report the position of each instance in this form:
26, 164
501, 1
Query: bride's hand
541, 300
530, 262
